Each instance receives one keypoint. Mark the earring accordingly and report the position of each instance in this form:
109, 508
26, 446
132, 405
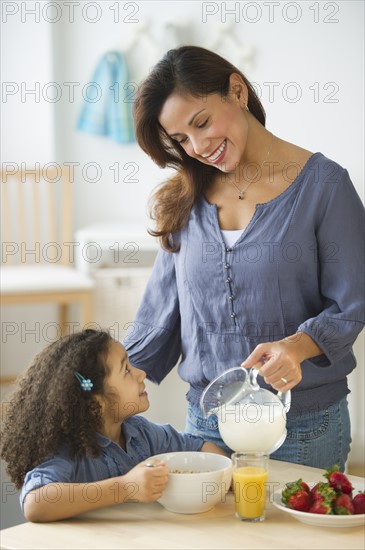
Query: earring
246, 107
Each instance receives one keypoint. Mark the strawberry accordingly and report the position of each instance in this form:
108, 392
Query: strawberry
359, 503
323, 497
305, 486
314, 491
301, 501
343, 505
338, 481
321, 506
296, 496
292, 487
322, 490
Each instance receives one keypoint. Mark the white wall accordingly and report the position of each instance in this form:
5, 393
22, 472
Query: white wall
27, 127
313, 49
320, 61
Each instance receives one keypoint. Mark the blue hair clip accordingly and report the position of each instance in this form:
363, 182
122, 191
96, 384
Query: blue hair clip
85, 384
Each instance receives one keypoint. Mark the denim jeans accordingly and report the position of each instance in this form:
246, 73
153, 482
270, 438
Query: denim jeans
315, 438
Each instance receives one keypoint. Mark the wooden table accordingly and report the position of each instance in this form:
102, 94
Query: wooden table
150, 526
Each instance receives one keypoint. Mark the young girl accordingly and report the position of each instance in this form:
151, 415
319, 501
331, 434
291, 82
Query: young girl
70, 438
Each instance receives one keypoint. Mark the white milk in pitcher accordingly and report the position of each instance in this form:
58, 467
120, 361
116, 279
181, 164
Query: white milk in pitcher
252, 426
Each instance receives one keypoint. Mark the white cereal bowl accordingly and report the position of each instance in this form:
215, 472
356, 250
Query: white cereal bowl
205, 482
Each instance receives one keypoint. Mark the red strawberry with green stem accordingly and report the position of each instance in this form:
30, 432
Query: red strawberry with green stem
321, 506
323, 499
343, 505
338, 481
321, 490
296, 496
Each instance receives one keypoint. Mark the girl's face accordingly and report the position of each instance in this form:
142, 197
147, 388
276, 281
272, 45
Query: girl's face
124, 386
211, 129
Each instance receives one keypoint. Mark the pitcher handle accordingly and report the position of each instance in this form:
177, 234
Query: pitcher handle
252, 378
285, 398
254, 372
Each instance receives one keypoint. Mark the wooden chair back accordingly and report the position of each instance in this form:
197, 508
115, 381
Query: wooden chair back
36, 215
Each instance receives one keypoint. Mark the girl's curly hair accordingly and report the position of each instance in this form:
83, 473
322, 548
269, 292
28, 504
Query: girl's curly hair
49, 409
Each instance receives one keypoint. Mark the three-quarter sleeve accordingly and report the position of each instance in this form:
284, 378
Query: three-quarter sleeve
153, 342
340, 256
53, 470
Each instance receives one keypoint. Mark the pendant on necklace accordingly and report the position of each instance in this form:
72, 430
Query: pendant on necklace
241, 196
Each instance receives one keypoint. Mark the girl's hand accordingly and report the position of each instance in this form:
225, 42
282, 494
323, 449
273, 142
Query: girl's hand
147, 483
279, 362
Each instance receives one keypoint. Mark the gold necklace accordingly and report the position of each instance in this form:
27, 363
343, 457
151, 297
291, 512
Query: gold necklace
241, 192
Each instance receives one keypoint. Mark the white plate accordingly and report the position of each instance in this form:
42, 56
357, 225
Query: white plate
323, 520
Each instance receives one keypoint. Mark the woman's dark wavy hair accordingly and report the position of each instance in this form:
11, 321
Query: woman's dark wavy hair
49, 409
186, 70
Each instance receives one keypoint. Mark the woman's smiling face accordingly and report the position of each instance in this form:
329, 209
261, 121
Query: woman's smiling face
211, 129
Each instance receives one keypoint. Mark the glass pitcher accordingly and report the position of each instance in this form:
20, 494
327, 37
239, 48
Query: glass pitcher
250, 418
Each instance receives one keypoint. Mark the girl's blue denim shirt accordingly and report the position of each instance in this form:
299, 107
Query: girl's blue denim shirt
143, 439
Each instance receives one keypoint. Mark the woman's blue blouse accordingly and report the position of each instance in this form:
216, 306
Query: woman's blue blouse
298, 266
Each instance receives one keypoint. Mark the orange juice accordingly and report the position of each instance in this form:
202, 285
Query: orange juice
250, 491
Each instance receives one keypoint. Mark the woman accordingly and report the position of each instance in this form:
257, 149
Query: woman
262, 256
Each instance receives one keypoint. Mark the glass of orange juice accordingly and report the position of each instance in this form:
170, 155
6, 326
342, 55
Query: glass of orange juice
250, 473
